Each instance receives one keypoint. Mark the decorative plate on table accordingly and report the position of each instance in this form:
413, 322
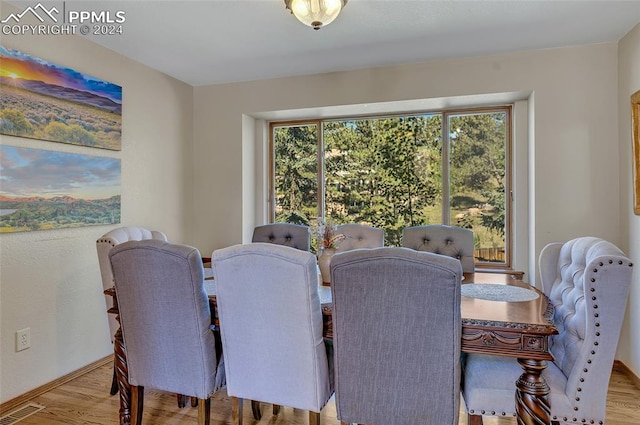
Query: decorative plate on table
497, 292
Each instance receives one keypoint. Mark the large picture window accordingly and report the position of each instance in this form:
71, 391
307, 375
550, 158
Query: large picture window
448, 167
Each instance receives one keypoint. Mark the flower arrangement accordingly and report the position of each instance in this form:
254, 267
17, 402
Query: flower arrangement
327, 236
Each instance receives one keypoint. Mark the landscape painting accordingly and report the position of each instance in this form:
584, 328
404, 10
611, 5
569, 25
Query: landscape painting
41, 100
42, 190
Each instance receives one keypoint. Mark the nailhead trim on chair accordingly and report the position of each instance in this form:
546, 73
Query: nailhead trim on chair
483, 412
106, 241
589, 360
595, 343
110, 242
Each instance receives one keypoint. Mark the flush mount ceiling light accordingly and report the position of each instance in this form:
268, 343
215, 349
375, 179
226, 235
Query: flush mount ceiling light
315, 13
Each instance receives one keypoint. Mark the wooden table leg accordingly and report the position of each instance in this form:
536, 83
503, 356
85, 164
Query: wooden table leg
532, 394
122, 372
255, 409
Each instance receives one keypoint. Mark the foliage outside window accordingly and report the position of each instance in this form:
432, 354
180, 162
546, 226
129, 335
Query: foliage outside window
449, 167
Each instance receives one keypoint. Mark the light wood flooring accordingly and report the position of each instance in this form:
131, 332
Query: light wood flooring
85, 400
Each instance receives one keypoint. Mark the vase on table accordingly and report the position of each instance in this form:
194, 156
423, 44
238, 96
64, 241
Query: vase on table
324, 263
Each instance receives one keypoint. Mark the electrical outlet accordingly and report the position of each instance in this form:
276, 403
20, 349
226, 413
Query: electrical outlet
23, 339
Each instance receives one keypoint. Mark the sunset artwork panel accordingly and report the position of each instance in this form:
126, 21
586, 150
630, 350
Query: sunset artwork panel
41, 100
42, 190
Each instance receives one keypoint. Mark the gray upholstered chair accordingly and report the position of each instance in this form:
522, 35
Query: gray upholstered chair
165, 315
271, 327
359, 236
451, 241
587, 280
288, 234
396, 337
103, 246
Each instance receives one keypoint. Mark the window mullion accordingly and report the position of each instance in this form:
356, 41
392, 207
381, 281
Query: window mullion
321, 170
446, 145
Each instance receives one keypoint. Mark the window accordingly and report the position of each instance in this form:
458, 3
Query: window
449, 167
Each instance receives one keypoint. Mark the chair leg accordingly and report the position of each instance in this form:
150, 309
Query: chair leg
137, 405
276, 409
204, 410
236, 411
194, 402
314, 418
182, 400
255, 408
114, 382
474, 419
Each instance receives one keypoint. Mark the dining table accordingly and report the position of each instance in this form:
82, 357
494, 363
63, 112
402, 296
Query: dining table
501, 315
504, 316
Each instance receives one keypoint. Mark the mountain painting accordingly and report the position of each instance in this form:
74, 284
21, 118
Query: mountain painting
41, 100
42, 190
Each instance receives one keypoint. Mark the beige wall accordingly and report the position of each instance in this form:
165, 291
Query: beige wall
572, 93
49, 280
629, 83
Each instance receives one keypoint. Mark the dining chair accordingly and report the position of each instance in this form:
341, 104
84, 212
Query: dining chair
288, 234
396, 337
103, 246
456, 242
271, 328
359, 236
165, 316
587, 281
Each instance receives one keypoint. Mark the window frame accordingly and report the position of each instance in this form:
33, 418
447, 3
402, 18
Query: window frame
446, 206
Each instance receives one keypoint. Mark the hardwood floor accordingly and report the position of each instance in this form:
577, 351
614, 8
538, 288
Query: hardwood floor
85, 400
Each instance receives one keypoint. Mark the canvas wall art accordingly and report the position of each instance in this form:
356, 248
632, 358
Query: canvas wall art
41, 190
42, 100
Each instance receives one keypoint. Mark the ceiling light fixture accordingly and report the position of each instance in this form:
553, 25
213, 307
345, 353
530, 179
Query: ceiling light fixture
315, 13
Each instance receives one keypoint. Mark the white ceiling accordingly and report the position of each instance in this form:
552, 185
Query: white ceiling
218, 41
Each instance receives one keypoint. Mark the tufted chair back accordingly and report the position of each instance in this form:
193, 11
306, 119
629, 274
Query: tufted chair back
588, 290
104, 245
288, 234
587, 281
360, 236
451, 241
